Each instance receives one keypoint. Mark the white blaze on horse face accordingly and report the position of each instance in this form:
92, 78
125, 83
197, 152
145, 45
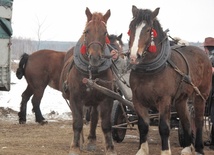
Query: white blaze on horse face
117, 41
134, 48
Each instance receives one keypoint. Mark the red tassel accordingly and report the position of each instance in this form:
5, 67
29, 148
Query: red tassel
154, 33
129, 32
152, 47
83, 49
107, 40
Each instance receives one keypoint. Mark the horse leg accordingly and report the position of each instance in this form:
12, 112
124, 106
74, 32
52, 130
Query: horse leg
93, 125
199, 107
105, 114
184, 117
164, 124
36, 106
77, 113
143, 127
25, 97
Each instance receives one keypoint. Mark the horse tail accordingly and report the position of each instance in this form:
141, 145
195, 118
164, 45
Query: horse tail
21, 70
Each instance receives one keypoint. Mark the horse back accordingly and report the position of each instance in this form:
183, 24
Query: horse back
196, 65
45, 65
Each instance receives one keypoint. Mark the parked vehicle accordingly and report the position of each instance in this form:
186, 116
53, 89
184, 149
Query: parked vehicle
5, 43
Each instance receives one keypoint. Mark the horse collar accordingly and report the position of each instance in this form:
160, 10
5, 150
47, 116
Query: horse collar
83, 65
159, 62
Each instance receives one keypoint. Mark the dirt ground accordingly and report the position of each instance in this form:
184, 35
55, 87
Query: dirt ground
55, 138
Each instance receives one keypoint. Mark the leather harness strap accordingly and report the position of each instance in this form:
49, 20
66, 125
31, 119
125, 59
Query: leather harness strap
185, 77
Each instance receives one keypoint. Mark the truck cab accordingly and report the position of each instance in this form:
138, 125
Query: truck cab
5, 43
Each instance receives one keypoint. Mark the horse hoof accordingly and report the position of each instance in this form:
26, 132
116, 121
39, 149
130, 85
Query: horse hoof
91, 146
43, 122
189, 150
111, 153
72, 153
22, 122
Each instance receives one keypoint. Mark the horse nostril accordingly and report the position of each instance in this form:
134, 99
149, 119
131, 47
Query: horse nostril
132, 60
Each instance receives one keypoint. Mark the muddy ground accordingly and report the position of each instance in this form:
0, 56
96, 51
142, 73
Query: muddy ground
55, 138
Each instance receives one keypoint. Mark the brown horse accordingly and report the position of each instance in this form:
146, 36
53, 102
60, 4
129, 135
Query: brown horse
116, 43
162, 77
40, 69
90, 61
116, 40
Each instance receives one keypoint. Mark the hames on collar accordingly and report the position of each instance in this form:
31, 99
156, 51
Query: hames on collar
83, 64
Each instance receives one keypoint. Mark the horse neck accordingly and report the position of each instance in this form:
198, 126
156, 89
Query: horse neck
161, 36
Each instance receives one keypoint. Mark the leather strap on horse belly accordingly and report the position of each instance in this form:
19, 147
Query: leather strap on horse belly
186, 77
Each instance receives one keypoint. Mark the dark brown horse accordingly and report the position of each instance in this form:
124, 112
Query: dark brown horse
89, 61
163, 77
116, 40
40, 69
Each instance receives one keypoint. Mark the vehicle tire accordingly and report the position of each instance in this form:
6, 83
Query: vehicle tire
117, 118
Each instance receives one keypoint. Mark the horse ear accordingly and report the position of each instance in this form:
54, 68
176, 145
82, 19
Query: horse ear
107, 15
155, 13
134, 11
120, 36
88, 14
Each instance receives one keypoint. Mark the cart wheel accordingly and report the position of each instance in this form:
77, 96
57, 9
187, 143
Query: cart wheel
117, 118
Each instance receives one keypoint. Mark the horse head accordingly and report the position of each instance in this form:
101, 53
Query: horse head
116, 42
145, 33
94, 37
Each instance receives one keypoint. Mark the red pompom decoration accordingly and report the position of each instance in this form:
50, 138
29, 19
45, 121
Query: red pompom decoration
107, 40
83, 49
152, 47
129, 32
154, 33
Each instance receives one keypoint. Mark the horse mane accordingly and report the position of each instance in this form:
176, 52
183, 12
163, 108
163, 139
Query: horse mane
157, 26
146, 16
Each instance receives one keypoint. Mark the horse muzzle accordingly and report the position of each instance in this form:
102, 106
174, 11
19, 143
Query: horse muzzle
95, 60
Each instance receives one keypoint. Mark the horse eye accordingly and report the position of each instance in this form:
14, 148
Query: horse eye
86, 31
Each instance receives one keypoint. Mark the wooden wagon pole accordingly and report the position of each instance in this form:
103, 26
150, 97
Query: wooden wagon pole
108, 92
